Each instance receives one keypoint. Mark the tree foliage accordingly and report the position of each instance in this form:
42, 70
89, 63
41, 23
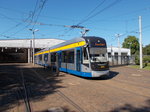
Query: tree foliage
132, 43
146, 50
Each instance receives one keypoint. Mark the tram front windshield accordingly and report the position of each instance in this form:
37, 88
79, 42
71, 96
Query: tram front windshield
98, 55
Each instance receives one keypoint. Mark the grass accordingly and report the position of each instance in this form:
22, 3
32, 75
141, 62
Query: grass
138, 66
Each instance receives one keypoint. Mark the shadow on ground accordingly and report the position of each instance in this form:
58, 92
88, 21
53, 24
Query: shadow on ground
37, 86
112, 74
130, 108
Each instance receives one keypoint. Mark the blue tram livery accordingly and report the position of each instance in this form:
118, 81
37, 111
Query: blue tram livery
84, 56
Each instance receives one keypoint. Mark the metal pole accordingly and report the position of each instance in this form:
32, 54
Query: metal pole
33, 46
29, 55
119, 49
33, 43
118, 37
140, 38
31, 51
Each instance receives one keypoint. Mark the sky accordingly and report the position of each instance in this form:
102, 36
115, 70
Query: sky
53, 18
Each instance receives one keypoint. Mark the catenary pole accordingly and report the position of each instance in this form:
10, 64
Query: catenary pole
140, 38
33, 43
119, 48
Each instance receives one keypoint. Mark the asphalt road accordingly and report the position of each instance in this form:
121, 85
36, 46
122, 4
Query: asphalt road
125, 90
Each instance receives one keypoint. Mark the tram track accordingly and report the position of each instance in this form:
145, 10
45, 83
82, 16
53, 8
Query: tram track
66, 98
26, 99
17, 95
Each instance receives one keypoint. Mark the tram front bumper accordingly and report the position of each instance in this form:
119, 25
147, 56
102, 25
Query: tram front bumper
100, 73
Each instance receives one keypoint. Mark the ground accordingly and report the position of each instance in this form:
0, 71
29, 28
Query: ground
125, 90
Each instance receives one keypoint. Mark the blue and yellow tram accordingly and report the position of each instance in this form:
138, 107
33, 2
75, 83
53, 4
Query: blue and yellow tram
84, 56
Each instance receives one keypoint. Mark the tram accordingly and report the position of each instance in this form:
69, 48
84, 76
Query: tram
83, 56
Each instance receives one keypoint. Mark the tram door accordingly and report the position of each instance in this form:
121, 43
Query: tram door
78, 59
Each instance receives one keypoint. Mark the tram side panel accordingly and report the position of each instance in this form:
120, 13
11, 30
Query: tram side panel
72, 62
71, 68
85, 66
67, 63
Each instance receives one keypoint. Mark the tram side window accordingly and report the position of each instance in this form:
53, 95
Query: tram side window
53, 57
64, 56
85, 56
45, 57
40, 57
35, 57
71, 57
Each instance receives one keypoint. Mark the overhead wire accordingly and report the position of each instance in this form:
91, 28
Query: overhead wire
102, 10
15, 26
32, 13
88, 17
37, 11
92, 11
32, 16
11, 19
12, 10
40, 10
18, 24
11, 36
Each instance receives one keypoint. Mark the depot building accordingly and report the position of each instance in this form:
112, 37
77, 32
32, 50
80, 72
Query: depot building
20, 50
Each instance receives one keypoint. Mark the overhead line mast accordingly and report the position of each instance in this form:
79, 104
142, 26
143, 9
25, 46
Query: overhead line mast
140, 33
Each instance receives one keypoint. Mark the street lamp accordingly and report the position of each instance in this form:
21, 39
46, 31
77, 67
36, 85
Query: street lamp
33, 42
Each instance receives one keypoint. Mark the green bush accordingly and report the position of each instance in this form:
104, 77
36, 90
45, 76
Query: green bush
137, 60
146, 59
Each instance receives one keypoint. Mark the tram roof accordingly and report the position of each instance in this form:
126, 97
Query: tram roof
74, 40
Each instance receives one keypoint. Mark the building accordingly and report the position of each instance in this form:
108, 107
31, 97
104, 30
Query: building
118, 56
20, 50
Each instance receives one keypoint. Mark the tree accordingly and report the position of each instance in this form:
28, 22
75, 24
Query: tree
132, 43
146, 50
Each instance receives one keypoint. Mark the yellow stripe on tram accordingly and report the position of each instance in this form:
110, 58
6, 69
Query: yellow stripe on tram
78, 44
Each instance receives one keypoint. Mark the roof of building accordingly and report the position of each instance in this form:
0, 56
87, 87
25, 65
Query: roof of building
116, 50
27, 43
